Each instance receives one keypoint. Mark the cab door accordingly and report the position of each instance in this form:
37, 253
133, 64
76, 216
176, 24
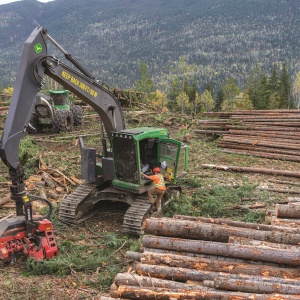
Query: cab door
172, 158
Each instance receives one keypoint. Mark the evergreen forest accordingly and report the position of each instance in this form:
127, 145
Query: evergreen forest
188, 55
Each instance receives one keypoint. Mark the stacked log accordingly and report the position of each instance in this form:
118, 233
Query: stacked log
202, 258
271, 134
288, 214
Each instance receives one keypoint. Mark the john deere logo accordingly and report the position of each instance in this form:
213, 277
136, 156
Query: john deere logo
38, 48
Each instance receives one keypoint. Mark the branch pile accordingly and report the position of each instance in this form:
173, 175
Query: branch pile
48, 182
201, 258
271, 134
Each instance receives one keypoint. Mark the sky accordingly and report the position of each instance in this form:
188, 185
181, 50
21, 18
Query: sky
9, 1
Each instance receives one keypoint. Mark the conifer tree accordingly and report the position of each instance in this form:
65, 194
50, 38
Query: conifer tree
180, 73
285, 88
145, 83
296, 90
253, 85
219, 99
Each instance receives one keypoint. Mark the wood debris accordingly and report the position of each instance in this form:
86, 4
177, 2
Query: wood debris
46, 183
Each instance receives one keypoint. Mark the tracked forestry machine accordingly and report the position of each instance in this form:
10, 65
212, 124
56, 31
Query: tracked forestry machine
115, 175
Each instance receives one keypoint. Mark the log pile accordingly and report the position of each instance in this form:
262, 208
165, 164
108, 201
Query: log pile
271, 134
201, 258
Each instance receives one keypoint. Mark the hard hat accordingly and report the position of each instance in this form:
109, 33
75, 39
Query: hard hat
156, 169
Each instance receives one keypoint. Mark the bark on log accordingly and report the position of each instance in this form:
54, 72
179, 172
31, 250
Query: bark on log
48, 180
133, 292
293, 223
213, 232
213, 265
253, 170
258, 149
237, 223
278, 134
42, 193
4, 200
52, 195
259, 287
247, 206
207, 256
131, 255
142, 281
271, 213
184, 275
279, 190
286, 257
219, 132
293, 200
245, 241
282, 156
272, 142
287, 211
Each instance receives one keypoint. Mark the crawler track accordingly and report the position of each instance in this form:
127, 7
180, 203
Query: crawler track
81, 205
136, 214
68, 211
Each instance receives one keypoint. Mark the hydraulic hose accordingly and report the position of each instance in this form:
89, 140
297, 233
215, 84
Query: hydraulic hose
37, 198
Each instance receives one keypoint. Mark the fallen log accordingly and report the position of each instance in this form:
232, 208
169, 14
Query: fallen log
279, 190
213, 232
184, 275
218, 132
245, 241
279, 134
138, 280
4, 200
52, 195
132, 255
253, 170
294, 223
247, 206
293, 200
258, 253
287, 211
237, 223
150, 293
48, 180
42, 193
255, 286
213, 265
207, 256
258, 149
262, 155
282, 142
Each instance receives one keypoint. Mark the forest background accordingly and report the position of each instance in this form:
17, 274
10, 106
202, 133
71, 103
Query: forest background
191, 56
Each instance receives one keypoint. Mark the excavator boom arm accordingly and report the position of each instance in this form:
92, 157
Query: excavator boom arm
35, 63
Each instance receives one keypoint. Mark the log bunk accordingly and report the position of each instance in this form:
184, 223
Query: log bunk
201, 258
271, 134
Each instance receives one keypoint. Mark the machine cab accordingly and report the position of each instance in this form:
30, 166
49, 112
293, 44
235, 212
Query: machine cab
60, 98
141, 149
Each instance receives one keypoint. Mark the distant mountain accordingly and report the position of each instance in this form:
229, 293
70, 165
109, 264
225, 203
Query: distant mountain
111, 37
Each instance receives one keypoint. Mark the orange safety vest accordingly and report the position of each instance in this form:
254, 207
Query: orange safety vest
158, 181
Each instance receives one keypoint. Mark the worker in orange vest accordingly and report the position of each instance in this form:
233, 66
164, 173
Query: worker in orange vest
158, 189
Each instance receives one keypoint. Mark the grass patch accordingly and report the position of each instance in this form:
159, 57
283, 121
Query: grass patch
95, 261
217, 201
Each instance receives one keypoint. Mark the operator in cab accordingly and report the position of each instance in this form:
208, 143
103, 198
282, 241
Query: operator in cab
158, 189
